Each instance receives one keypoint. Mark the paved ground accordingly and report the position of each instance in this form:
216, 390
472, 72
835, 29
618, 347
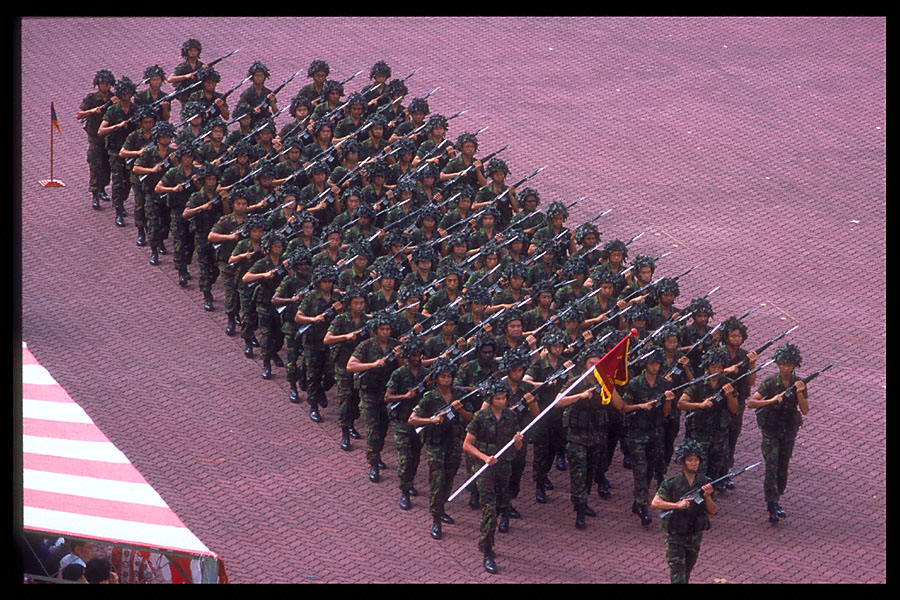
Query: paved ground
754, 147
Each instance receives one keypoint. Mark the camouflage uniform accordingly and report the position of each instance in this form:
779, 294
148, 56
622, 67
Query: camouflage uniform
156, 210
271, 339
201, 225
180, 229
121, 180
96, 155
443, 448
779, 424
491, 435
137, 141
684, 528
249, 319
408, 443
709, 427
226, 225
372, 384
548, 435
741, 392
290, 286
585, 423
644, 434
348, 393
319, 366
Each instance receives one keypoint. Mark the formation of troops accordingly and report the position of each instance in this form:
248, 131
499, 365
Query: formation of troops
448, 304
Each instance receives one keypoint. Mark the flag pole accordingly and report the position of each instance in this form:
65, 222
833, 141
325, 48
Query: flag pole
52, 182
556, 400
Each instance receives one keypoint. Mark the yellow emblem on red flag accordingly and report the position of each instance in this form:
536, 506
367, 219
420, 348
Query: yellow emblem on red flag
612, 369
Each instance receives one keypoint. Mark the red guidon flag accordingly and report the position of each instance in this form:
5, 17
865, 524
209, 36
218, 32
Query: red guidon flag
612, 369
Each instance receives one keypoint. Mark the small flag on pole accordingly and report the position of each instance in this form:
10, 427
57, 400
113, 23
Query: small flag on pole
53, 120
54, 124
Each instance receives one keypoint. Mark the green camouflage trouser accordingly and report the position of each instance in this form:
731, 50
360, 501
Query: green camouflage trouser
681, 556
646, 461
207, 269
409, 452
140, 213
442, 467
375, 419
776, 450
734, 432
270, 337
232, 301
289, 334
348, 399
583, 462
158, 219
184, 242
249, 320
547, 443
493, 493
98, 163
319, 374
121, 182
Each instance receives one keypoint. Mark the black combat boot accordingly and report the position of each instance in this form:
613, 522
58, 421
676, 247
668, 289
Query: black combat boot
353, 432
276, 360
436, 529
374, 475
248, 349
267, 369
207, 301
162, 248
490, 564
540, 495
141, 238
154, 256
579, 517
293, 395
405, 504
314, 414
773, 513
230, 327
95, 201
780, 511
345, 439
183, 277
503, 524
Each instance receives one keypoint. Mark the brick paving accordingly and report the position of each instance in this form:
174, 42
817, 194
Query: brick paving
752, 147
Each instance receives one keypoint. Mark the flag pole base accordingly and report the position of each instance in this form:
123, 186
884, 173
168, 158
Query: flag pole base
51, 183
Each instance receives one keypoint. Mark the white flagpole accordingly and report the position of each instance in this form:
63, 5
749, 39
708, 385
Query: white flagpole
556, 400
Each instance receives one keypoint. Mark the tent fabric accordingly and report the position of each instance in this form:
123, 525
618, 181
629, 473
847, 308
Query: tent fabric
77, 483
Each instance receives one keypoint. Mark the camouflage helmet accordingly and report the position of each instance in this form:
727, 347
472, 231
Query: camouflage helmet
489, 211
378, 120
243, 109
208, 74
332, 228
145, 111
405, 184
515, 269
242, 148
349, 147
490, 248
162, 129
266, 169
257, 222
584, 230
185, 148
732, 323
418, 105
496, 165
333, 86
447, 313
353, 291
668, 285
464, 190
324, 273
304, 216
643, 260
477, 294
397, 88
526, 192
557, 208
412, 345
125, 86
239, 191
458, 239
543, 286
190, 43
292, 143
389, 269
257, 66
286, 191
687, 448
378, 168
207, 169
299, 256
614, 245
572, 312
482, 339
669, 330
321, 122
298, 101
493, 386
605, 275
509, 316
700, 305
466, 137
513, 358
351, 191
154, 71
443, 365
270, 239
317, 66
638, 312
436, 120
360, 248
575, 265
356, 99
364, 210
317, 167
404, 146
428, 170
594, 349
788, 354
429, 211
394, 238
717, 355
377, 320
192, 109
654, 354
216, 121
554, 335
379, 68
104, 76
267, 124
410, 291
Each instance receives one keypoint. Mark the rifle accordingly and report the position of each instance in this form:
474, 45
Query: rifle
719, 396
517, 184
341, 83
558, 374
766, 345
696, 496
276, 90
791, 392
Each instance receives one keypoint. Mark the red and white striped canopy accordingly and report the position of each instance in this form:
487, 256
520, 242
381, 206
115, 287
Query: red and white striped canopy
78, 484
